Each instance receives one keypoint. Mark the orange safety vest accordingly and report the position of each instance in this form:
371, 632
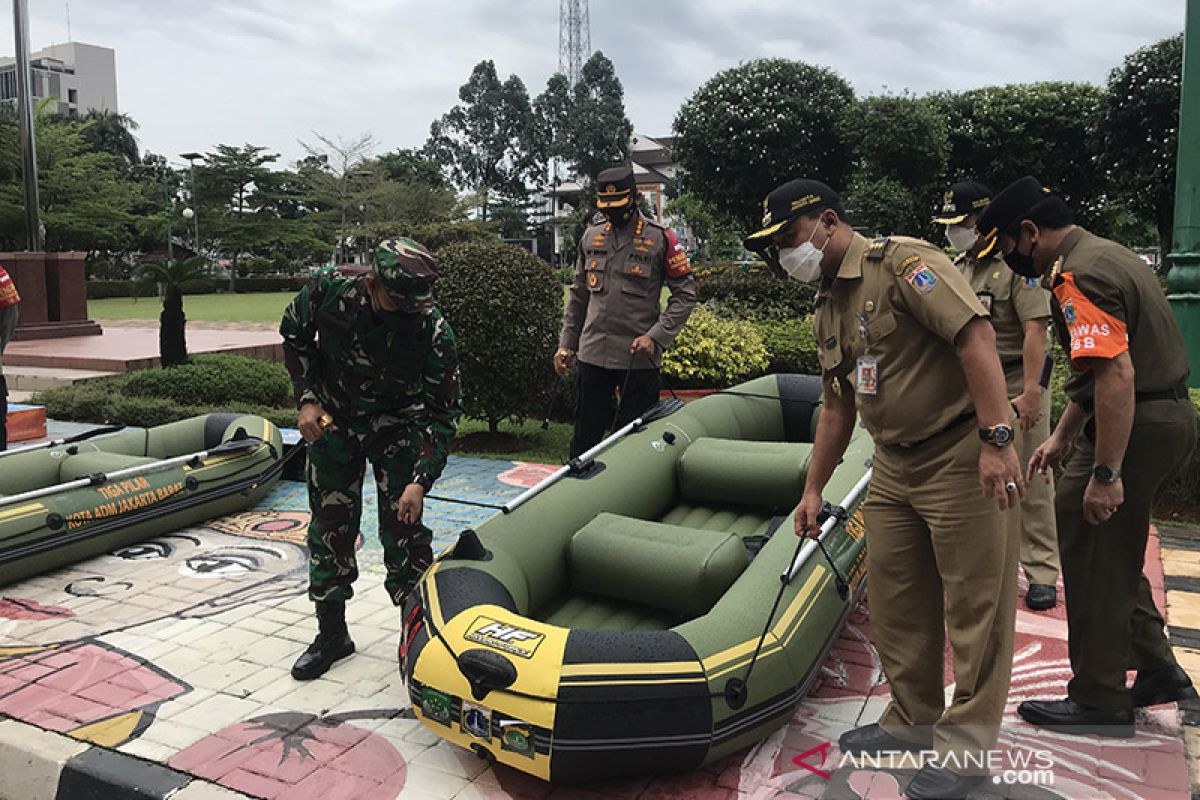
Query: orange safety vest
8, 290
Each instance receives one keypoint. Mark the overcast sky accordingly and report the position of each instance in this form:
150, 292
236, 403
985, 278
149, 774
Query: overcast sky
269, 72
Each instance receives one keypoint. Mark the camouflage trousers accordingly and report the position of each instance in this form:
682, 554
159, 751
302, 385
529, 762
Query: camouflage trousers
336, 466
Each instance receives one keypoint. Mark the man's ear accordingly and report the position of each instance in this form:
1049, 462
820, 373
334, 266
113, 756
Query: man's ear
1031, 228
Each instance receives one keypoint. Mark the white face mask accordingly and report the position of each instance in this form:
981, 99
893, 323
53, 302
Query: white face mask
961, 238
803, 263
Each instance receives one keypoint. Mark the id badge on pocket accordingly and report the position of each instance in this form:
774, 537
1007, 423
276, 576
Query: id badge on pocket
866, 375
985, 300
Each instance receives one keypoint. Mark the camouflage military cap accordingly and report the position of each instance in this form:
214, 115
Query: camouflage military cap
407, 271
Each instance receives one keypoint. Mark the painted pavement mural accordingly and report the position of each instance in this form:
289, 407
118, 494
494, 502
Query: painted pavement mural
177, 650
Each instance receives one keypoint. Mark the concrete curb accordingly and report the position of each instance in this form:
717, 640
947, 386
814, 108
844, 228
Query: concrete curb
41, 765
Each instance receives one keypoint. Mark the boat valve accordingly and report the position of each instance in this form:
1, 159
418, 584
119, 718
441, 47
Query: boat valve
486, 671
668, 437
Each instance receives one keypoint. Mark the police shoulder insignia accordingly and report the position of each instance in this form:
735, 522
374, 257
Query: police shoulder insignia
921, 277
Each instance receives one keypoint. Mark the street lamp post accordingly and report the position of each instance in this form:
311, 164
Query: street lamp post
33, 224
195, 218
1183, 282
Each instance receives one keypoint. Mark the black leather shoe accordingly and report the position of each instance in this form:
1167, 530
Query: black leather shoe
1041, 596
933, 782
332, 644
1067, 716
872, 739
1168, 684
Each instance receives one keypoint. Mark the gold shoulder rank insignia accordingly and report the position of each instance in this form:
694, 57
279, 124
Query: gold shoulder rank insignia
876, 249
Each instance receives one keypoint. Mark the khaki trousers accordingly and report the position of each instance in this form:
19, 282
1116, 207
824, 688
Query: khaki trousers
1039, 536
942, 560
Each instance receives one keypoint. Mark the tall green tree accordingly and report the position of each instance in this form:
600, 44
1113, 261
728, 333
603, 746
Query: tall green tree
898, 145
413, 166
752, 126
86, 196
112, 132
343, 177
226, 185
598, 130
484, 140
1140, 129
1049, 130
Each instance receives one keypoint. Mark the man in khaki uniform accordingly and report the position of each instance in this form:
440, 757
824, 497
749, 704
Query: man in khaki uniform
904, 341
1133, 429
1020, 312
614, 328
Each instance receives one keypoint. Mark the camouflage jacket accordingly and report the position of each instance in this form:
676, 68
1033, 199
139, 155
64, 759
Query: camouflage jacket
377, 377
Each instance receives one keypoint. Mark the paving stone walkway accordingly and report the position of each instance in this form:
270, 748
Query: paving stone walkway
176, 651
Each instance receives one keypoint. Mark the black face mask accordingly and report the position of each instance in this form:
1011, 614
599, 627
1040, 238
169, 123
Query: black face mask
1021, 263
619, 217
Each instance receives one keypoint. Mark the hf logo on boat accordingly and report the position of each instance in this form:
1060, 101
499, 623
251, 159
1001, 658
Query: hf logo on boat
506, 638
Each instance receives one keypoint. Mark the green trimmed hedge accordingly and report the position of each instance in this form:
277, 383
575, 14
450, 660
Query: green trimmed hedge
790, 345
213, 380
157, 396
755, 295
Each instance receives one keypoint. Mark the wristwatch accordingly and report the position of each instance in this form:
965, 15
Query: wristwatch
998, 435
1106, 474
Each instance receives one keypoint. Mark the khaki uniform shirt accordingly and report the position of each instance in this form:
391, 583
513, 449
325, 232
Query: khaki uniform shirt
1011, 300
1107, 301
894, 310
615, 296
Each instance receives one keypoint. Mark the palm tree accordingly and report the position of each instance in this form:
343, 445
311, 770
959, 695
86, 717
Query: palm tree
172, 325
112, 132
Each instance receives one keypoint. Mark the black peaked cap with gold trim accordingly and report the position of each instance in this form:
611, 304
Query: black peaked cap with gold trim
787, 202
961, 201
615, 187
1006, 210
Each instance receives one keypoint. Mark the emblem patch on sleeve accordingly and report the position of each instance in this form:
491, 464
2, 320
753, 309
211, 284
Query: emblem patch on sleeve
921, 278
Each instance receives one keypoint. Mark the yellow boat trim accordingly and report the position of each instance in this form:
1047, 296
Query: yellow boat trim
21, 511
785, 620
655, 668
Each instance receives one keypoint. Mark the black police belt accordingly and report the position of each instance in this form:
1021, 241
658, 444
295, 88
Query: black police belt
1177, 392
957, 422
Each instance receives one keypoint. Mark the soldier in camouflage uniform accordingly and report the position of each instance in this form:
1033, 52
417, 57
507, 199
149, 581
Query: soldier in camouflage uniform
376, 379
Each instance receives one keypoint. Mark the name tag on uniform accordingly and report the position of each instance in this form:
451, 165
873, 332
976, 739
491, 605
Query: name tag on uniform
985, 300
866, 375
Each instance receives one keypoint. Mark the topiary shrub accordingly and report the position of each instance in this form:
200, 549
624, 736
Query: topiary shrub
790, 345
505, 305
755, 295
214, 380
712, 352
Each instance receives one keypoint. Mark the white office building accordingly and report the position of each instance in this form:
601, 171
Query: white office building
82, 76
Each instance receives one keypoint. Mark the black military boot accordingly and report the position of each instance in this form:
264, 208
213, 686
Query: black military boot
332, 643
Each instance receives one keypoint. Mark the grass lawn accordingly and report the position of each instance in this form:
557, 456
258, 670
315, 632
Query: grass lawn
253, 307
528, 442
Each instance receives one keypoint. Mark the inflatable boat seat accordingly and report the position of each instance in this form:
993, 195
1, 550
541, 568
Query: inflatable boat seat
84, 464
735, 472
666, 567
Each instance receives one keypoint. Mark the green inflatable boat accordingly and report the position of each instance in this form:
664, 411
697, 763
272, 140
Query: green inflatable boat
70, 500
648, 608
